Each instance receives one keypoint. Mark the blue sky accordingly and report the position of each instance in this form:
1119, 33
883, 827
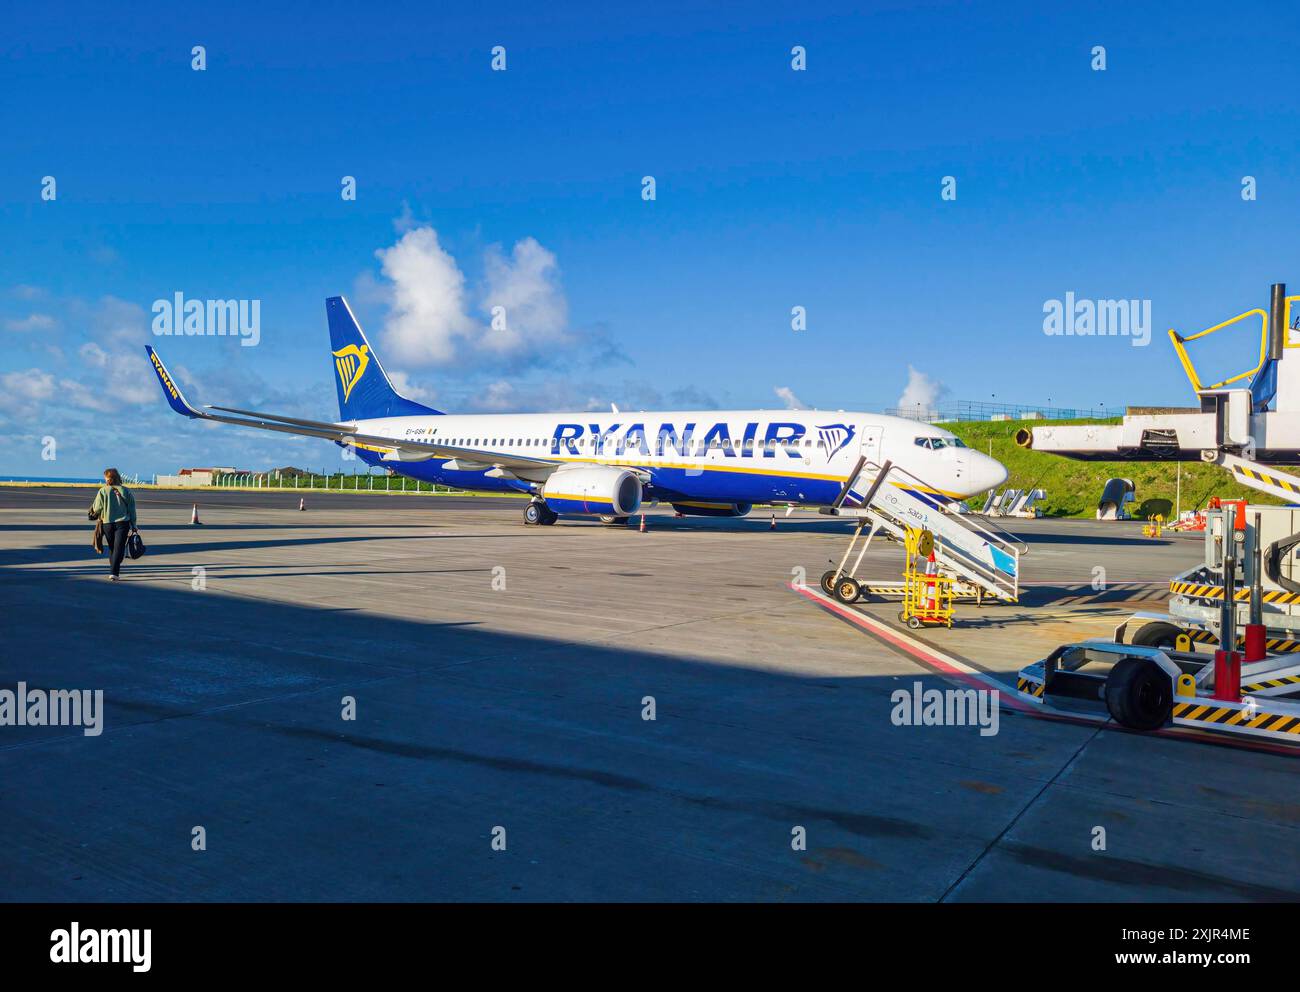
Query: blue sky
775, 189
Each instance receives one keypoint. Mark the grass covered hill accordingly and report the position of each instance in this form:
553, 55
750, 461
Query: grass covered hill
1074, 487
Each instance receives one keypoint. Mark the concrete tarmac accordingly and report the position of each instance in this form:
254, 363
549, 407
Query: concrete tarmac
500, 675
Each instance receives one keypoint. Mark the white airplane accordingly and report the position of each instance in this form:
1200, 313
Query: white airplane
705, 463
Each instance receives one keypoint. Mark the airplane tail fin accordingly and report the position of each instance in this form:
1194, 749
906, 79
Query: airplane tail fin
363, 387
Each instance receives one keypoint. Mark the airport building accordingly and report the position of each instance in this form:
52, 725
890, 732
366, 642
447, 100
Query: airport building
195, 476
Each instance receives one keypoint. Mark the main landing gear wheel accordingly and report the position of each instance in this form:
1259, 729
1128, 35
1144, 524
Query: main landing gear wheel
847, 590
606, 518
539, 514
1139, 694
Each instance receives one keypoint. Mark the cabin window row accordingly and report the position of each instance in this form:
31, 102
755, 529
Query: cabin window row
582, 442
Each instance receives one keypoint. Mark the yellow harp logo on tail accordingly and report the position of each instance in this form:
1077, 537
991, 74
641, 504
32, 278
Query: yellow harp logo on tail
351, 364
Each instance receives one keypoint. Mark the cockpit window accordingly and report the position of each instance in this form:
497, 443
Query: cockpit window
937, 443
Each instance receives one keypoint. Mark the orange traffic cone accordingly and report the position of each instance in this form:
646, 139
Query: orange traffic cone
302, 502
194, 516
932, 599
641, 529
773, 527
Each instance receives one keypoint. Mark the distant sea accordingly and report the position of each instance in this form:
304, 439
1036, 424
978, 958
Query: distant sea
43, 478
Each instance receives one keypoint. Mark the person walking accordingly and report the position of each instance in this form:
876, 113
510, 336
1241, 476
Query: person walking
115, 508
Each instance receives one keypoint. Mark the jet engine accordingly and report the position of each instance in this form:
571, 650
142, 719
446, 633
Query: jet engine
598, 489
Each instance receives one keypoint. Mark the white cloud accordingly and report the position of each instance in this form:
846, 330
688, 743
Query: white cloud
110, 369
93, 355
792, 402
523, 315
101, 398
22, 392
427, 315
921, 392
406, 220
526, 287
411, 390
117, 318
32, 322
505, 396
499, 397
121, 374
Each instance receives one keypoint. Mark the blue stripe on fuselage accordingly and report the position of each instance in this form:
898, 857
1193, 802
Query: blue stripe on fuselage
704, 484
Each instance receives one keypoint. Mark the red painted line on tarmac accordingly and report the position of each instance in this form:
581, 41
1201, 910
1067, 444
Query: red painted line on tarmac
914, 648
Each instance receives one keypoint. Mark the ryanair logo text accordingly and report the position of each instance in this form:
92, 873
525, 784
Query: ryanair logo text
164, 377
617, 440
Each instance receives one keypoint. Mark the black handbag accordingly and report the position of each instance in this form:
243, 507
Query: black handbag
135, 544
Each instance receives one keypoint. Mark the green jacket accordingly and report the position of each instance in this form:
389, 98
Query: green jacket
115, 503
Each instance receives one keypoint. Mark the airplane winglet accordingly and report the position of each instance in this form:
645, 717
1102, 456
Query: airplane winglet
170, 390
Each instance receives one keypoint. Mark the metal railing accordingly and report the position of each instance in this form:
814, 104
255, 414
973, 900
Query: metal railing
987, 410
1179, 342
335, 482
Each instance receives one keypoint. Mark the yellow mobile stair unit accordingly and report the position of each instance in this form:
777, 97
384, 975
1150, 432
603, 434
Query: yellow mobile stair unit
973, 558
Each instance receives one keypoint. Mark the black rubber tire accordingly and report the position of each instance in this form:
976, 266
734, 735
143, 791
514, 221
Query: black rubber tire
828, 580
1157, 635
533, 513
613, 521
914, 623
1139, 694
549, 516
847, 590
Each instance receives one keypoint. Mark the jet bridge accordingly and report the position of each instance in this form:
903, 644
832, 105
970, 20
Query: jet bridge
1242, 430
1156, 678
981, 559
1259, 422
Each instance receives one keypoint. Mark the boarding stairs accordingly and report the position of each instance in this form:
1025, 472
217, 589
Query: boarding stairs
982, 559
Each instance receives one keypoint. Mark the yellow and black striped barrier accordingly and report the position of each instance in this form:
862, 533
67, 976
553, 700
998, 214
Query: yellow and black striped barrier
1233, 716
1285, 680
1271, 480
1029, 687
1276, 645
1197, 590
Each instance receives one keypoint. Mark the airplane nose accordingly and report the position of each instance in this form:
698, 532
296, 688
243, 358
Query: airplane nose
985, 473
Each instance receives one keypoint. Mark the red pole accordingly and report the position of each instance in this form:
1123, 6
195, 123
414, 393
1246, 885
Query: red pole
1227, 675
1256, 642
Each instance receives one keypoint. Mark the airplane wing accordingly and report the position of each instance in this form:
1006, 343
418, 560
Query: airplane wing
391, 449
